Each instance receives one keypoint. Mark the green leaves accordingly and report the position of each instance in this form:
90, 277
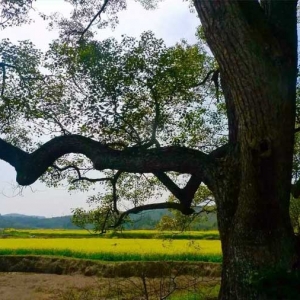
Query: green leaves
14, 13
127, 90
136, 93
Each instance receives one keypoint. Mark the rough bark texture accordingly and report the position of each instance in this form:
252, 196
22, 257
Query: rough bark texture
256, 48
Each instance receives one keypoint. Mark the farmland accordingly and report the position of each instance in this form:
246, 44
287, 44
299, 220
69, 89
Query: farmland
125, 260
115, 249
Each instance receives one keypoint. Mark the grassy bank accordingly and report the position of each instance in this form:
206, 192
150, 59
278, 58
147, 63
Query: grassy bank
107, 256
130, 234
72, 266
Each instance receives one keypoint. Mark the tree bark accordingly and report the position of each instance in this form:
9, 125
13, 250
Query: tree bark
256, 48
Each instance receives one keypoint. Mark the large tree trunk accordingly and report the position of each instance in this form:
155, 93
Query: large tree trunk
256, 48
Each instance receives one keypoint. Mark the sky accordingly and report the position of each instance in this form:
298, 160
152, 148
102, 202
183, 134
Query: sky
172, 21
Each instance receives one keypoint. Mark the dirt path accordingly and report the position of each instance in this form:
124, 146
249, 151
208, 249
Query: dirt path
30, 286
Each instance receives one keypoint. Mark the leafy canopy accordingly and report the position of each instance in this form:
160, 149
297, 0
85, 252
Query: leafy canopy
132, 93
135, 93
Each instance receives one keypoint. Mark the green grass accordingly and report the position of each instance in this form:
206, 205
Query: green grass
108, 256
130, 234
204, 294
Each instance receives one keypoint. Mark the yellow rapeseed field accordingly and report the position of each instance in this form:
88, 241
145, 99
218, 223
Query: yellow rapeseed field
133, 246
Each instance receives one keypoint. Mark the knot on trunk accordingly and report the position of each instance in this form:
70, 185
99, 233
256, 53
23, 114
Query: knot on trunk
263, 147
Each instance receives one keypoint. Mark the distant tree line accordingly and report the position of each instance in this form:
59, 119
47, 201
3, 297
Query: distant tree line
161, 219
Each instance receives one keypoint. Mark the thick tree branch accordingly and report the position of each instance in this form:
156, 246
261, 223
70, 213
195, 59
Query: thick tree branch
30, 167
185, 195
12, 154
220, 151
191, 188
170, 185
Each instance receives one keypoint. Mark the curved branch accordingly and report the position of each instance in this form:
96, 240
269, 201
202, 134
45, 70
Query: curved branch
79, 176
152, 206
30, 167
92, 180
72, 167
205, 78
94, 18
185, 195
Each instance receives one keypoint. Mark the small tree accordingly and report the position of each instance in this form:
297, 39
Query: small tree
203, 204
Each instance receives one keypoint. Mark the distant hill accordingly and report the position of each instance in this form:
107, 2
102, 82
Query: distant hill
34, 222
144, 220
23, 216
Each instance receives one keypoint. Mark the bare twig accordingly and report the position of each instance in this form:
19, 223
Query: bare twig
95, 17
2, 65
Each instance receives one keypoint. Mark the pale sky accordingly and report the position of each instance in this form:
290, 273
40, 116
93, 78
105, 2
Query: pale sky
172, 21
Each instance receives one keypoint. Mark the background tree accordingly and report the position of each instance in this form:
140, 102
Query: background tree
255, 46
203, 205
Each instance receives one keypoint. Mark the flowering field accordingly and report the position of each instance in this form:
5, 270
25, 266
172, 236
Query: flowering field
116, 249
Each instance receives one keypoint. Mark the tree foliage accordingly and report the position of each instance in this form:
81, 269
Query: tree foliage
203, 203
132, 94
14, 12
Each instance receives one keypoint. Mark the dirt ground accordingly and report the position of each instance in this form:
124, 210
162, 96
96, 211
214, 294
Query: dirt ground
33, 286
30, 286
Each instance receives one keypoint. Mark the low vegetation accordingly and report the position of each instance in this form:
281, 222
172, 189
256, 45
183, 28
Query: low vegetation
72, 266
128, 234
170, 287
